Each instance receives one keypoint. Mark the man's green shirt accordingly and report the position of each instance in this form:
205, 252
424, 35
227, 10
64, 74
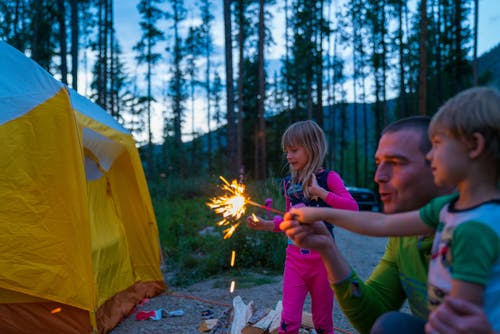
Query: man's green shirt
401, 274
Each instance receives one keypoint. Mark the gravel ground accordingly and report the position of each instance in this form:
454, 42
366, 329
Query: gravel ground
213, 295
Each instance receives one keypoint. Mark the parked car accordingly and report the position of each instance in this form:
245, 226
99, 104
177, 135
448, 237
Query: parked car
367, 199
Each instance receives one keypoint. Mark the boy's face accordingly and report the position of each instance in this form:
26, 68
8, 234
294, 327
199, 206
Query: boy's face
404, 177
449, 159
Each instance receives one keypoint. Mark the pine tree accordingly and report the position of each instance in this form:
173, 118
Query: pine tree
145, 48
231, 127
177, 86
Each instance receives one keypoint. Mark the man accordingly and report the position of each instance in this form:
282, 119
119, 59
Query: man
405, 183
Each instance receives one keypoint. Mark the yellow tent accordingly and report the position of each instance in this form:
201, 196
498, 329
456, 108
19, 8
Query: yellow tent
79, 243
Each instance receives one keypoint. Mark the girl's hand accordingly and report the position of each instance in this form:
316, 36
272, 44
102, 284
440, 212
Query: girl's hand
315, 190
259, 224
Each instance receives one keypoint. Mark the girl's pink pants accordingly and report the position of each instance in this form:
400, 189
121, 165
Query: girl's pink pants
305, 272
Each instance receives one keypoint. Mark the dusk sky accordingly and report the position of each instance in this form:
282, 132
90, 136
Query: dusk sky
128, 33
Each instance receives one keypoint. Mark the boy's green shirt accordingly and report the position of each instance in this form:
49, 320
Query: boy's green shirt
401, 274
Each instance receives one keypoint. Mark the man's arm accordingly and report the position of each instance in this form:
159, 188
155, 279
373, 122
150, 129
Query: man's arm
363, 302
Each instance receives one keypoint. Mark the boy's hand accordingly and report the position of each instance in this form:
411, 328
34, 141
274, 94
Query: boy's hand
304, 215
458, 316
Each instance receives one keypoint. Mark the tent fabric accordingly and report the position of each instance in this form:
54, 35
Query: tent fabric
43, 181
77, 225
20, 93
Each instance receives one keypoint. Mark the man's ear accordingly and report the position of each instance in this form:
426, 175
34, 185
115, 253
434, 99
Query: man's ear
477, 145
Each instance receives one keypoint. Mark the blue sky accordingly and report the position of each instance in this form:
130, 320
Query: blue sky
128, 32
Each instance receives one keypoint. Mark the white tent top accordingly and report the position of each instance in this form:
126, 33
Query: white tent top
21, 74
92, 110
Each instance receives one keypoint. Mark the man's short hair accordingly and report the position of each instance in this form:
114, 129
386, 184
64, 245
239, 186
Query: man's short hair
419, 124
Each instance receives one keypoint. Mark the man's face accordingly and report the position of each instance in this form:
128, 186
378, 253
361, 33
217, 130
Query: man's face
404, 177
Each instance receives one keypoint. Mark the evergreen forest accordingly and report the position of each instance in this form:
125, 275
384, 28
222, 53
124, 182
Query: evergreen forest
353, 66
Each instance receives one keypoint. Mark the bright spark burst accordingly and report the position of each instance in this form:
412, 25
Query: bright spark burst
231, 206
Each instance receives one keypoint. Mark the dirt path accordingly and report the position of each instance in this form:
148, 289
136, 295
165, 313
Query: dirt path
213, 295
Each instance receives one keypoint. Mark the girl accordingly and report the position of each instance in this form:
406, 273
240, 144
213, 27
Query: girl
309, 184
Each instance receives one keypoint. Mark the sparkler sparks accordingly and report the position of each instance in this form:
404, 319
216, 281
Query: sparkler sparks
232, 205
233, 257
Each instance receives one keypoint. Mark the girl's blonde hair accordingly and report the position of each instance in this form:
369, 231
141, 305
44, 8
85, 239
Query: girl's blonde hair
309, 135
473, 110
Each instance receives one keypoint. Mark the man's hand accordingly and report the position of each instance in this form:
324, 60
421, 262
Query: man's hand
312, 236
458, 316
316, 236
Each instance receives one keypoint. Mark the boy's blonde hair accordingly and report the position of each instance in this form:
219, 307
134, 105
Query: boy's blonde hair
473, 110
309, 135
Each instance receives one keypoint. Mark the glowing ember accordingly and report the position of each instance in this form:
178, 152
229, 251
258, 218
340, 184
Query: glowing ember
56, 310
233, 257
231, 288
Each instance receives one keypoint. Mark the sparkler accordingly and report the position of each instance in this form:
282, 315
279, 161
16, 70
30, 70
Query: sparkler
232, 205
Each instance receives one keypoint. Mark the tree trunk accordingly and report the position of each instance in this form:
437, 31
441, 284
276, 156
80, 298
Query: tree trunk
36, 43
439, 51
355, 105
209, 93
61, 16
231, 137
241, 46
319, 73
422, 80
402, 86
262, 158
112, 65
74, 43
474, 61
287, 67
